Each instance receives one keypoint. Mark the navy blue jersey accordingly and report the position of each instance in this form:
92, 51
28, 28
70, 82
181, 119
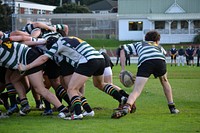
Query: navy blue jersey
190, 51
181, 51
173, 50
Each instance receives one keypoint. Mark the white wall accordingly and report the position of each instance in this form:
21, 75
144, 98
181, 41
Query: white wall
176, 38
125, 34
134, 60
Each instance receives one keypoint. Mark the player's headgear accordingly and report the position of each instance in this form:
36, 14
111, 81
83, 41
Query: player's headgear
51, 41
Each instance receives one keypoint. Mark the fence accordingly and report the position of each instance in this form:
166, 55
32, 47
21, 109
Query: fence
86, 26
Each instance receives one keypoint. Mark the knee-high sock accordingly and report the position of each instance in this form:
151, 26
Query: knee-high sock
11, 94
76, 104
109, 89
60, 91
85, 104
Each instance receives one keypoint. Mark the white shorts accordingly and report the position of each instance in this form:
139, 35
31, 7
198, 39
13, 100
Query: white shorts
107, 71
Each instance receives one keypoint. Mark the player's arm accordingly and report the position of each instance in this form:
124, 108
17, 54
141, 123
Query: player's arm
186, 53
42, 26
37, 62
62, 27
19, 33
122, 59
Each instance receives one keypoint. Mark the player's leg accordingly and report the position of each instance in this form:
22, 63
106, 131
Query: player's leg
74, 85
36, 80
168, 93
138, 87
16, 80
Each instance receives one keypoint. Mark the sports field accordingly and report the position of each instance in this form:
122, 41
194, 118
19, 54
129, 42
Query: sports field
152, 115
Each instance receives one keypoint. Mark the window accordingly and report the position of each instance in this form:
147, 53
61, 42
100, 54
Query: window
135, 26
31, 11
196, 23
184, 25
174, 25
159, 24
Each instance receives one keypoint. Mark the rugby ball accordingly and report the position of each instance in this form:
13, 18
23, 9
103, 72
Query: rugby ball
127, 78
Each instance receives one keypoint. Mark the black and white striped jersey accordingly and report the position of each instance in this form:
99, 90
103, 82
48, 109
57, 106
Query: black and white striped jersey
12, 53
74, 50
145, 51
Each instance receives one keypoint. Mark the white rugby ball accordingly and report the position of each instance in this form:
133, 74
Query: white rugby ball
127, 78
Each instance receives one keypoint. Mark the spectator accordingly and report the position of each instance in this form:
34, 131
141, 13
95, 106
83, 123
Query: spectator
118, 54
190, 52
173, 54
128, 59
181, 53
198, 55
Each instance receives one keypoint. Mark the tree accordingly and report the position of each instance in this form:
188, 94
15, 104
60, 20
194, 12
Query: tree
196, 39
5, 17
71, 8
57, 2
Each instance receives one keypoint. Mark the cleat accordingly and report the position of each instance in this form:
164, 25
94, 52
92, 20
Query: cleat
24, 110
3, 115
133, 108
123, 100
64, 115
88, 113
173, 109
75, 117
122, 103
12, 110
40, 106
47, 112
120, 113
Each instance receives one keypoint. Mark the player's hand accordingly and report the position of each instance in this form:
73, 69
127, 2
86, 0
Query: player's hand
22, 67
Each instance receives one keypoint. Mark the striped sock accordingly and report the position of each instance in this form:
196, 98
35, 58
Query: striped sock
61, 92
11, 94
85, 104
76, 104
109, 89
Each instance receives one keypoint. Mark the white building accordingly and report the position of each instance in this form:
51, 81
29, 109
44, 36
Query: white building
25, 7
176, 20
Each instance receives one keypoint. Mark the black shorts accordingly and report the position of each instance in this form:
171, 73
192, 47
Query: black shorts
31, 56
156, 67
2, 74
190, 57
51, 69
66, 69
108, 62
93, 67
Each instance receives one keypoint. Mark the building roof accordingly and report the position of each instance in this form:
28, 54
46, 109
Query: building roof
103, 5
156, 6
161, 17
177, 16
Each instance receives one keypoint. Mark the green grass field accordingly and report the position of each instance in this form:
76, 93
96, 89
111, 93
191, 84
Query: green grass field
152, 115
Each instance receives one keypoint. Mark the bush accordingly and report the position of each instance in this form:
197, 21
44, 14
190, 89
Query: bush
197, 39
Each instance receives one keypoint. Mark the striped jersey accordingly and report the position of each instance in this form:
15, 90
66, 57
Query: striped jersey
12, 53
46, 34
59, 26
74, 50
145, 51
5, 35
29, 28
